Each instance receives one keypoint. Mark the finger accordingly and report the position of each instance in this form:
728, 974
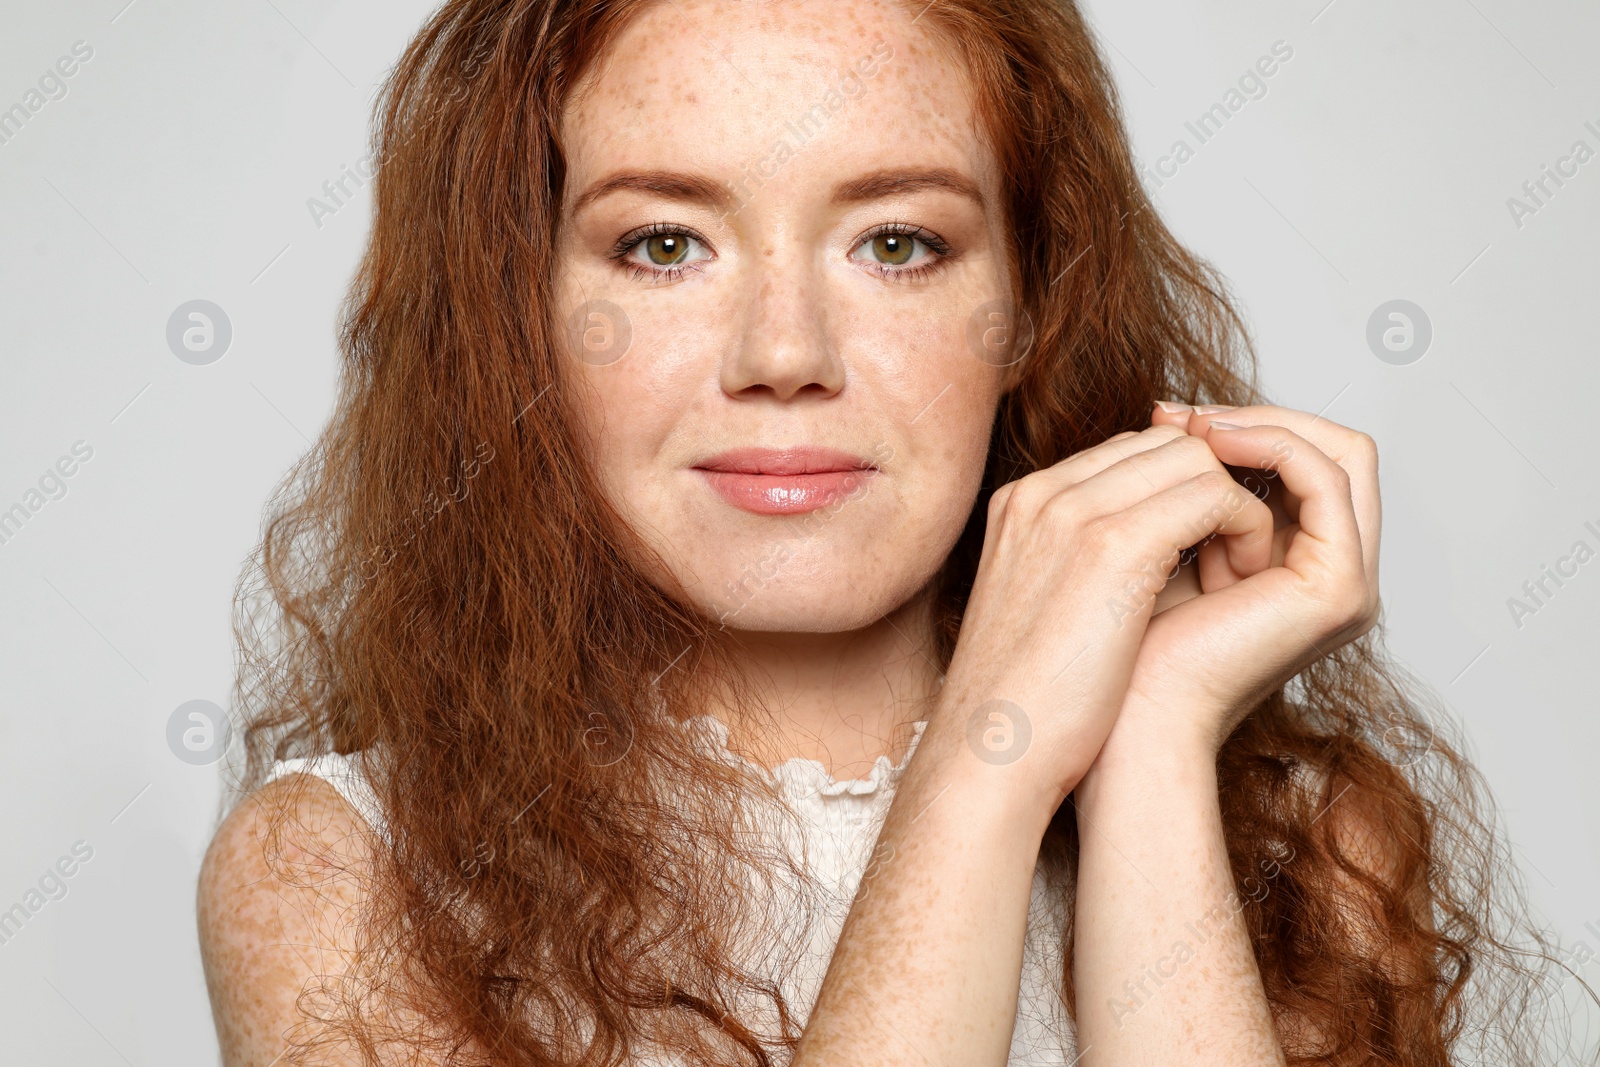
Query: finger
1212, 563
1237, 554
1122, 481
1119, 449
1080, 466
1327, 514
1186, 513
1354, 451
1171, 413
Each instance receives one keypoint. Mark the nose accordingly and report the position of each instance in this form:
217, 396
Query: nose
783, 349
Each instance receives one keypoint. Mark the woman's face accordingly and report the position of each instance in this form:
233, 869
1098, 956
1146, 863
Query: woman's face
782, 271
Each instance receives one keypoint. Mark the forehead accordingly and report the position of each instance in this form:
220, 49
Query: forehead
723, 86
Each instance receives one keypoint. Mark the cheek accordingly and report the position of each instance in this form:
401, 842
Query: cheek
626, 412
917, 398
637, 404
934, 401
917, 364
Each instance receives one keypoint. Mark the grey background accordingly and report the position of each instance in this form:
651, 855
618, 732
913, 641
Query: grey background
178, 167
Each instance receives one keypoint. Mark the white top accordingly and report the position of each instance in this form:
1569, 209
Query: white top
839, 823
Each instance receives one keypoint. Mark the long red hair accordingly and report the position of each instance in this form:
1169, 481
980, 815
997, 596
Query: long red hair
442, 581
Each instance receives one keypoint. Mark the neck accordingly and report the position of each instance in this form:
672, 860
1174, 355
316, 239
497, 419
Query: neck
842, 698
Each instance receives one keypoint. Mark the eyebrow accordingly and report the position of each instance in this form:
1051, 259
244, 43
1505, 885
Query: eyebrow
690, 188
694, 189
885, 183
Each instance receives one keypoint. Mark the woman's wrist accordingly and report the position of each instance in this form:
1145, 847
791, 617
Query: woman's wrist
951, 767
1145, 753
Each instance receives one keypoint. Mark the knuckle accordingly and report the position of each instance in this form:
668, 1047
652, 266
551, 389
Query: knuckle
1165, 433
999, 501
1192, 448
1098, 536
1013, 502
1367, 622
1027, 495
1355, 603
1220, 483
1062, 512
1371, 606
1349, 608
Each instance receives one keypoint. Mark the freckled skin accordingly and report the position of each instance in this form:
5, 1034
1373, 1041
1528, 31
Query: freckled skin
782, 336
781, 339
268, 930
250, 918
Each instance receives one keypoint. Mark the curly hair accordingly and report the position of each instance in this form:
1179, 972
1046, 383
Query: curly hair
441, 581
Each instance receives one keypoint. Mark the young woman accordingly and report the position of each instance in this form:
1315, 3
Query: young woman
756, 602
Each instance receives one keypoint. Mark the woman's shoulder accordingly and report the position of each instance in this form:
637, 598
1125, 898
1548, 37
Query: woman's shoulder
284, 903
311, 812
281, 882
349, 773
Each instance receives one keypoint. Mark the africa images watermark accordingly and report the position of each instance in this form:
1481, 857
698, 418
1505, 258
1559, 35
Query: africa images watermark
1537, 192
1571, 962
52, 485
1537, 592
455, 492
1202, 929
52, 885
52, 86
1251, 85
337, 193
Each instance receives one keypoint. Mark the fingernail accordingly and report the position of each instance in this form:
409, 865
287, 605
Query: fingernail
1215, 425
1172, 407
1212, 409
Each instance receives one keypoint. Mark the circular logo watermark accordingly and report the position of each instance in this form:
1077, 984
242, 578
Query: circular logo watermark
600, 332
1399, 332
1000, 333
199, 332
998, 732
198, 732
604, 743
1408, 743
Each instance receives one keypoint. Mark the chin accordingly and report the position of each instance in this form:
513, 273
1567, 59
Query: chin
829, 599
844, 578
813, 611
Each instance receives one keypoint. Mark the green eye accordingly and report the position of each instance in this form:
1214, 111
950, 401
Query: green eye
893, 248
665, 249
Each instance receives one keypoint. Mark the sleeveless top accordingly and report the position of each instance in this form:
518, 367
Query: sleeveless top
839, 822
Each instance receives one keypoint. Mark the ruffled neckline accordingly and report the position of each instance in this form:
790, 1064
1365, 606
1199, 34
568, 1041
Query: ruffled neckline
801, 776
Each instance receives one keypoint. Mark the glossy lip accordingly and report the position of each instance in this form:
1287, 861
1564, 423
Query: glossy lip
788, 481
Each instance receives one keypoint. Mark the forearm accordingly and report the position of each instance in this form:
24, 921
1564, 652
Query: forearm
1163, 964
926, 969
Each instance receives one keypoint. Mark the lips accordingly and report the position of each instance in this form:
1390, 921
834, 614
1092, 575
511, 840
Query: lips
790, 481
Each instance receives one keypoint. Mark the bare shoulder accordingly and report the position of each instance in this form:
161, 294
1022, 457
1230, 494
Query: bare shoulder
282, 903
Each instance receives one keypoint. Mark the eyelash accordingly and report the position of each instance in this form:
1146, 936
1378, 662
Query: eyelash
658, 275
936, 244
662, 275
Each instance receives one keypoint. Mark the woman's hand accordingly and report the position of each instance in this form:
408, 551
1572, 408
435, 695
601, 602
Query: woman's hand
1206, 660
1048, 642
